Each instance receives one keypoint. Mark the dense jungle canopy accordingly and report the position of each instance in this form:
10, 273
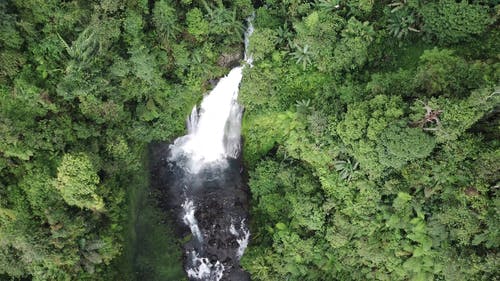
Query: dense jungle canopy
371, 135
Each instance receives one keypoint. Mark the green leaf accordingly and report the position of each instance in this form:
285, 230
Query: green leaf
281, 226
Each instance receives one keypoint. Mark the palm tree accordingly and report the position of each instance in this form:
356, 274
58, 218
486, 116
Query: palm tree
284, 35
346, 168
223, 21
328, 5
357, 29
89, 254
303, 106
302, 55
403, 20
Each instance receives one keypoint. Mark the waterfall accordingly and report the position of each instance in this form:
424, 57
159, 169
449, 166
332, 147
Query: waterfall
214, 128
209, 126
208, 183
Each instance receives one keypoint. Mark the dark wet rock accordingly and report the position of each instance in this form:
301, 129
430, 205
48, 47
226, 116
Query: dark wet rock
220, 198
213, 82
230, 60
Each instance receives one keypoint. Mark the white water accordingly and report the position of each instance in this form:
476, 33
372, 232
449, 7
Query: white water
207, 141
243, 242
213, 136
214, 128
243, 237
203, 269
190, 220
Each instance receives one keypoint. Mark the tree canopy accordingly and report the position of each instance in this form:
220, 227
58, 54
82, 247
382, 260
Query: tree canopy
371, 135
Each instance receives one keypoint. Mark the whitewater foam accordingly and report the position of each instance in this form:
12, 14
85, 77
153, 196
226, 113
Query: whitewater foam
190, 220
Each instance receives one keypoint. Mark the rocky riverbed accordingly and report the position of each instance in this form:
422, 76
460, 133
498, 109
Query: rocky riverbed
219, 198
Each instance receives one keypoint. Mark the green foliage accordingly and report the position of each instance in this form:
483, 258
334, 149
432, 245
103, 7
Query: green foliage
460, 115
77, 182
403, 144
352, 51
329, 5
362, 127
262, 43
451, 22
197, 25
398, 83
223, 23
283, 35
270, 193
346, 168
258, 88
440, 72
302, 55
360, 7
390, 188
164, 18
287, 200
371, 153
147, 254
319, 32
403, 20
264, 133
11, 60
84, 87
9, 35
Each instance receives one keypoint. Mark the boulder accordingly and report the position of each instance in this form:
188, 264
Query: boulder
230, 60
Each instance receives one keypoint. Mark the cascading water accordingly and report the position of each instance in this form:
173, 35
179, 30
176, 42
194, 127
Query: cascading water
203, 176
214, 128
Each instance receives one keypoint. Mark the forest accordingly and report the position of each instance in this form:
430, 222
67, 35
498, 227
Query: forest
371, 135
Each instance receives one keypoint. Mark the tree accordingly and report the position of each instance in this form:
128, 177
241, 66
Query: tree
10, 42
262, 43
198, 26
362, 126
224, 22
400, 144
77, 182
402, 21
346, 168
458, 115
352, 51
450, 22
441, 72
317, 35
302, 55
165, 20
